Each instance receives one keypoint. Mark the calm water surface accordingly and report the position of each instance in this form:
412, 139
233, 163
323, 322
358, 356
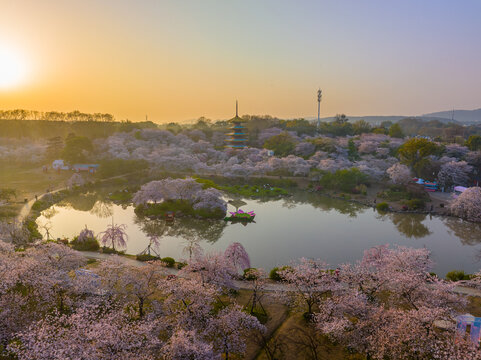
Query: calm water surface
306, 225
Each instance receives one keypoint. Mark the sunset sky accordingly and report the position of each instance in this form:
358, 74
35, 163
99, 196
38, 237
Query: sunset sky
179, 60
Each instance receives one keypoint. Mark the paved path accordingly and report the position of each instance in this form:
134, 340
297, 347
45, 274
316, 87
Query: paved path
269, 286
99, 256
25, 210
467, 291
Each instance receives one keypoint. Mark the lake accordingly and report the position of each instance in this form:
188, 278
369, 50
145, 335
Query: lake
304, 225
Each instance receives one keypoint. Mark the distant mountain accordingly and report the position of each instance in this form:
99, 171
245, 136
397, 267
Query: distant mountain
377, 120
370, 119
463, 116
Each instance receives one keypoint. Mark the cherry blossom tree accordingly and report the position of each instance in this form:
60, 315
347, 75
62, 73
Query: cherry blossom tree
188, 345
188, 303
167, 189
86, 234
308, 281
229, 330
36, 279
114, 236
182, 189
135, 284
257, 279
367, 147
387, 304
14, 233
22, 151
304, 148
454, 173
468, 205
399, 174
237, 256
209, 200
456, 150
89, 333
211, 268
266, 134
192, 248
474, 158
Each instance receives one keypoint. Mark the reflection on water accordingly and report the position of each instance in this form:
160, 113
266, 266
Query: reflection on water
102, 209
409, 224
81, 202
324, 203
306, 225
189, 229
469, 233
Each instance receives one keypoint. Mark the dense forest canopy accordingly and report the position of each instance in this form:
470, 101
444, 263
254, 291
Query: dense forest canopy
38, 129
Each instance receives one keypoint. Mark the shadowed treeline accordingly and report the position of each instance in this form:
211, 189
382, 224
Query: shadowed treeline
47, 129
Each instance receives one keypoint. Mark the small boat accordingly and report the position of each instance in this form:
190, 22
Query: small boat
240, 215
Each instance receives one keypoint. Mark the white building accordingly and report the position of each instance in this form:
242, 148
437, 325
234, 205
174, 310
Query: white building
59, 165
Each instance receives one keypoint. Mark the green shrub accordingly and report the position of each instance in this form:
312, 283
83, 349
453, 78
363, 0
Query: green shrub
146, 257
401, 192
169, 262
344, 180
38, 205
206, 183
107, 250
415, 204
255, 191
360, 189
457, 275
274, 273
32, 229
247, 275
282, 144
89, 244
122, 196
382, 206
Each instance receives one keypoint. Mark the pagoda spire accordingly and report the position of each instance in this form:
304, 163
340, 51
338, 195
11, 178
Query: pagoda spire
237, 138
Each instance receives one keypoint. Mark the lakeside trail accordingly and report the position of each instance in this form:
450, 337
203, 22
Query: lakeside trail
25, 210
270, 286
27, 207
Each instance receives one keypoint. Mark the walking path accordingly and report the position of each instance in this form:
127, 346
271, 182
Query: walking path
269, 286
25, 210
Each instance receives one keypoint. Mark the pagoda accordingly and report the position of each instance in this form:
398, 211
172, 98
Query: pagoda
237, 137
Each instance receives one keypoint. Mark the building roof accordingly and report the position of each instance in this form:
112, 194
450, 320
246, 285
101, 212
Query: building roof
237, 119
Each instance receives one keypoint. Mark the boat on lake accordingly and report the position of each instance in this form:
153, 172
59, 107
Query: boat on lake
240, 215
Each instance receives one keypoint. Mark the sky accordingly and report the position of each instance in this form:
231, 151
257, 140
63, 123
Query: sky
181, 59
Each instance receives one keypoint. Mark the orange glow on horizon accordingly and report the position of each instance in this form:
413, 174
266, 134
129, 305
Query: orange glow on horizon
180, 60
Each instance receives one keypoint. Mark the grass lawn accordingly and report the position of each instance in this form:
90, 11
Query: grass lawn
298, 336
28, 181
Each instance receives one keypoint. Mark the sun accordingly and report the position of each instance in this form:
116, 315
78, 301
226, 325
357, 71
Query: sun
12, 69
